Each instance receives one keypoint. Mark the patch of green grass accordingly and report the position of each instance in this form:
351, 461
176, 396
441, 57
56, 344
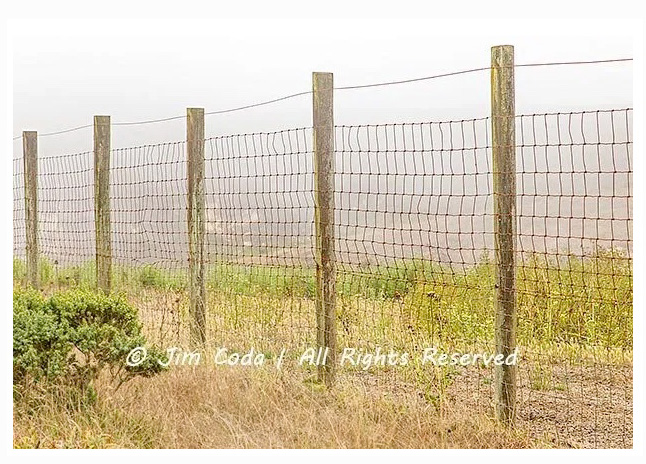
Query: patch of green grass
81, 275
575, 301
255, 280
19, 270
151, 276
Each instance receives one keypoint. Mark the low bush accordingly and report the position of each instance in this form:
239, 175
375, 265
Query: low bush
73, 336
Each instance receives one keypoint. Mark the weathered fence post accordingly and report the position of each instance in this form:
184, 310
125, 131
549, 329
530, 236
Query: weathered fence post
196, 226
323, 118
504, 193
30, 160
102, 203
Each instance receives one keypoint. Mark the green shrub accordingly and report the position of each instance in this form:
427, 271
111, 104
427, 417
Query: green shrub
75, 334
40, 348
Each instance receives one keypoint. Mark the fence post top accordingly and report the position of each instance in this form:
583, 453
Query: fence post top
101, 119
322, 80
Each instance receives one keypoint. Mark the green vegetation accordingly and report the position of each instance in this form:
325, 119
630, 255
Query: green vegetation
72, 336
587, 302
19, 270
583, 301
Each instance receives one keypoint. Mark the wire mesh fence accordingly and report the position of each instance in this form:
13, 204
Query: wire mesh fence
259, 229
575, 273
18, 210
414, 228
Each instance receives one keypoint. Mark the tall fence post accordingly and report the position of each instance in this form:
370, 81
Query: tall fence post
102, 203
30, 160
196, 225
323, 118
504, 193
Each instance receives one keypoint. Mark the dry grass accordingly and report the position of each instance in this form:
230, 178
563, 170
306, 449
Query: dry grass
575, 374
218, 407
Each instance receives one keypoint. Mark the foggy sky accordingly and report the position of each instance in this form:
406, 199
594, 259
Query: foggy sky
137, 70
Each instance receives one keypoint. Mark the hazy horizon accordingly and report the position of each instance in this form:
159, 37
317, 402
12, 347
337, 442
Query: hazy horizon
575, 172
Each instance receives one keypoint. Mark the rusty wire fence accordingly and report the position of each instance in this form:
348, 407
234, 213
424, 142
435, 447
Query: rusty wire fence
414, 226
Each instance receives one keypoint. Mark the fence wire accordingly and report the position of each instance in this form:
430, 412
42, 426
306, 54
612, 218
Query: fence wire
18, 211
414, 250
259, 228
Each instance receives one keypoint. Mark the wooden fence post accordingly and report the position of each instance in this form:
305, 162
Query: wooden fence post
102, 203
30, 160
323, 133
504, 195
196, 225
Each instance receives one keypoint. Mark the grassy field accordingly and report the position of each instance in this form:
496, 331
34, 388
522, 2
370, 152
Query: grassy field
575, 366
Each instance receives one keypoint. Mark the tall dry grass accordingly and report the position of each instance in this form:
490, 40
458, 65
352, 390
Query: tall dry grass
218, 407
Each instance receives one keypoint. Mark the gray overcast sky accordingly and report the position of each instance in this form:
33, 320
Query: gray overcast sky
65, 72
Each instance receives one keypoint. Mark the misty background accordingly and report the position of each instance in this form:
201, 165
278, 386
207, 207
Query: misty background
413, 160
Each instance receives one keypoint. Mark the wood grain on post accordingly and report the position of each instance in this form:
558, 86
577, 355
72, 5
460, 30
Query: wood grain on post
196, 225
323, 133
30, 159
504, 192
102, 203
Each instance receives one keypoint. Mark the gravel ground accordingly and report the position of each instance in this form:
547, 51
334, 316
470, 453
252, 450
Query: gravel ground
570, 406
